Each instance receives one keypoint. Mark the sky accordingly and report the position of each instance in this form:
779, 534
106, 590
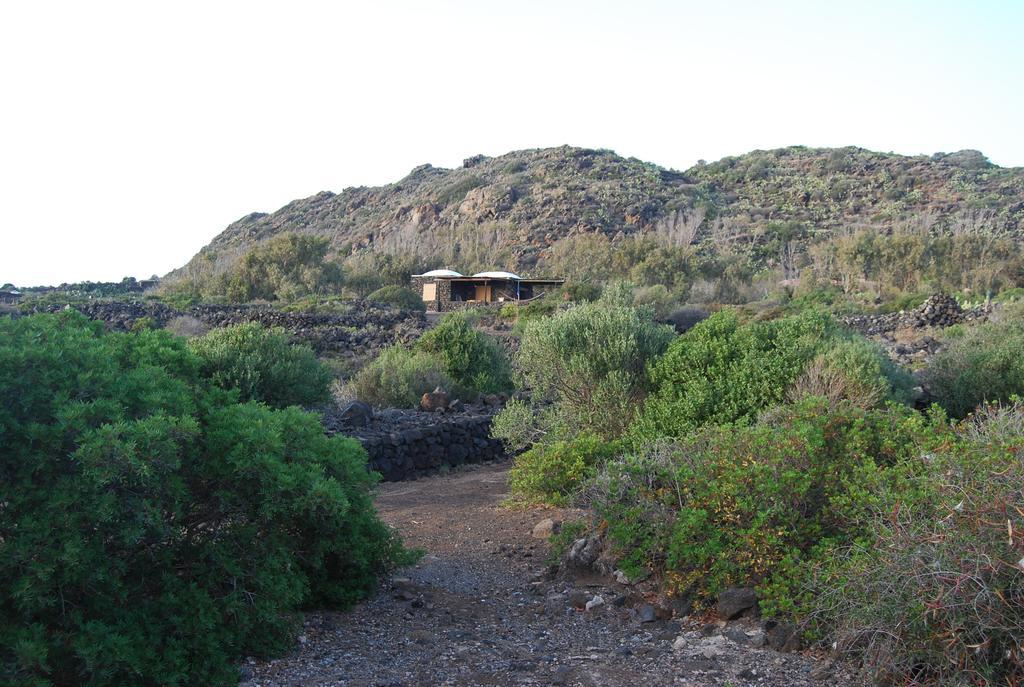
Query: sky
131, 133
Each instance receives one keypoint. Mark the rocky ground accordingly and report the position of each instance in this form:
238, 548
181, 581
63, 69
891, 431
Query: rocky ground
481, 609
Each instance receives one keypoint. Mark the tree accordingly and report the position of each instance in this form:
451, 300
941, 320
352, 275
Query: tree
286, 267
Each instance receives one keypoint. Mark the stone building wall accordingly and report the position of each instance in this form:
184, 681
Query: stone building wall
416, 285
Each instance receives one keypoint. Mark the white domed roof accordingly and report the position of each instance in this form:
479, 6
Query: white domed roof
497, 275
440, 273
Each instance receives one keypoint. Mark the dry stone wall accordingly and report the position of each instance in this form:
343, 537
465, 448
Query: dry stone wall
366, 326
405, 444
938, 311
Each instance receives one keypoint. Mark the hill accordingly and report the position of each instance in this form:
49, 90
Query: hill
523, 201
579, 211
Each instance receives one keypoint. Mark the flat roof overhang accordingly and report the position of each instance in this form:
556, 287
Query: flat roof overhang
520, 281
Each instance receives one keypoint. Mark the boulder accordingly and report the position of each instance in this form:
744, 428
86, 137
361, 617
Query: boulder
435, 401
356, 414
579, 599
781, 636
545, 528
584, 552
736, 601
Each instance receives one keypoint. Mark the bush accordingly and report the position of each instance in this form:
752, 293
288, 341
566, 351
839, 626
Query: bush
588, 362
285, 267
473, 361
263, 365
399, 297
398, 378
582, 291
985, 364
154, 530
554, 473
722, 371
657, 297
750, 505
509, 311
936, 595
855, 370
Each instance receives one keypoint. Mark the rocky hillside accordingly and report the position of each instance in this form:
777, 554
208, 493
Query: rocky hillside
525, 201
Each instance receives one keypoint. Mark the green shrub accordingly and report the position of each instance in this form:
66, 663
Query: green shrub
751, 505
155, 531
399, 297
936, 595
985, 364
539, 308
588, 362
555, 472
398, 378
474, 362
657, 297
509, 311
263, 365
722, 371
1012, 295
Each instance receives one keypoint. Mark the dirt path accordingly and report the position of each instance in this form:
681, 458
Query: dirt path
478, 611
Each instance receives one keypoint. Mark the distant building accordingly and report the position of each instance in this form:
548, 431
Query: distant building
444, 290
9, 295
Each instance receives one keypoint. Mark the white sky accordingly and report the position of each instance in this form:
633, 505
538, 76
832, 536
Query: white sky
132, 132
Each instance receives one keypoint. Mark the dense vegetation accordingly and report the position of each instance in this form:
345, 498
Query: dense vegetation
154, 529
782, 455
399, 377
474, 362
935, 594
722, 371
286, 267
398, 296
750, 504
986, 364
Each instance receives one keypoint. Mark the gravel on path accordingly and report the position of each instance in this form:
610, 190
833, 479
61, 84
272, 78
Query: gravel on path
480, 609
